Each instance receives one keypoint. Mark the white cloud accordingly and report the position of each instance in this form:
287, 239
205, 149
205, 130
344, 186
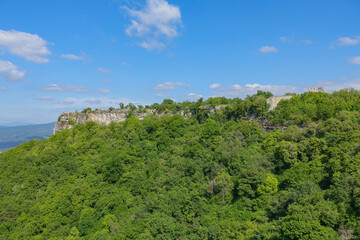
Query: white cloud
193, 96
29, 46
46, 98
237, 90
169, 85
215, 85
354, 60
57, 88
293, 40
10, 71
157, 19
152, 45
125, 64
103, 70
104, 90
268, 49
52, 87
160, 95
3, 88
330, 86
72, 57
348, 41
70, 104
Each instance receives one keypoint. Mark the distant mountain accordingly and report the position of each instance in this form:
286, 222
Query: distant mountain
13, 136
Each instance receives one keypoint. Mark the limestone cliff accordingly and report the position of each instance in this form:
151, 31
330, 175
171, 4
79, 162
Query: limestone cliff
68, 120
274, 101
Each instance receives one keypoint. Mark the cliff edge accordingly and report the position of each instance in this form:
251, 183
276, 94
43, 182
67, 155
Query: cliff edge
68, 120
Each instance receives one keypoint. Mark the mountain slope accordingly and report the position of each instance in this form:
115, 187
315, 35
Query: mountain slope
212, 176
13, 136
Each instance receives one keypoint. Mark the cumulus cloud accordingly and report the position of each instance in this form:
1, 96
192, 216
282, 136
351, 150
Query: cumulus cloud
354, 60
193, 96
215, 85
10, 71
57, 88
104, 90
268, 49
157, 19
45, 98
29, 46
169, 85
237, 90
103, 70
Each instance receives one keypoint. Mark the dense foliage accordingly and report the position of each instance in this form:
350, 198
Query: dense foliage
213, 176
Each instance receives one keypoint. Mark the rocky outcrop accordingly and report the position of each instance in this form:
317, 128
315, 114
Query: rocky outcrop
316, 89
274, 101
68, 120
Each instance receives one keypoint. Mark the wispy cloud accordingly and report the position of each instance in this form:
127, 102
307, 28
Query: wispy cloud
103, 70
3, 88
58, 88
292, 39
237, 90
155, 20
268, 49
305, 41
104, 90
101, 103
215, 85
160, 95
82, 57
152, 44
169, 85
348, 41
193, 96
354, 60
10, 71
46, 98
125, 64
106, 81
330, 86
29, 46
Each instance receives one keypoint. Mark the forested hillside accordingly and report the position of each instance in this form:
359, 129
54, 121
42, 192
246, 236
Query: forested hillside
217, 175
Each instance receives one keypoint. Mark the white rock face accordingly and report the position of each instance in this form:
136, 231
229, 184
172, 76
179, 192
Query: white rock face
274, 101
68, 120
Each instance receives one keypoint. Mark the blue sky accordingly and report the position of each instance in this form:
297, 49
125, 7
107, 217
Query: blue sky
60, 56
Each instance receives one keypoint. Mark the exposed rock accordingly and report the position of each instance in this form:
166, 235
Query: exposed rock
316, 89
274, 101
105, 117
68, 120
